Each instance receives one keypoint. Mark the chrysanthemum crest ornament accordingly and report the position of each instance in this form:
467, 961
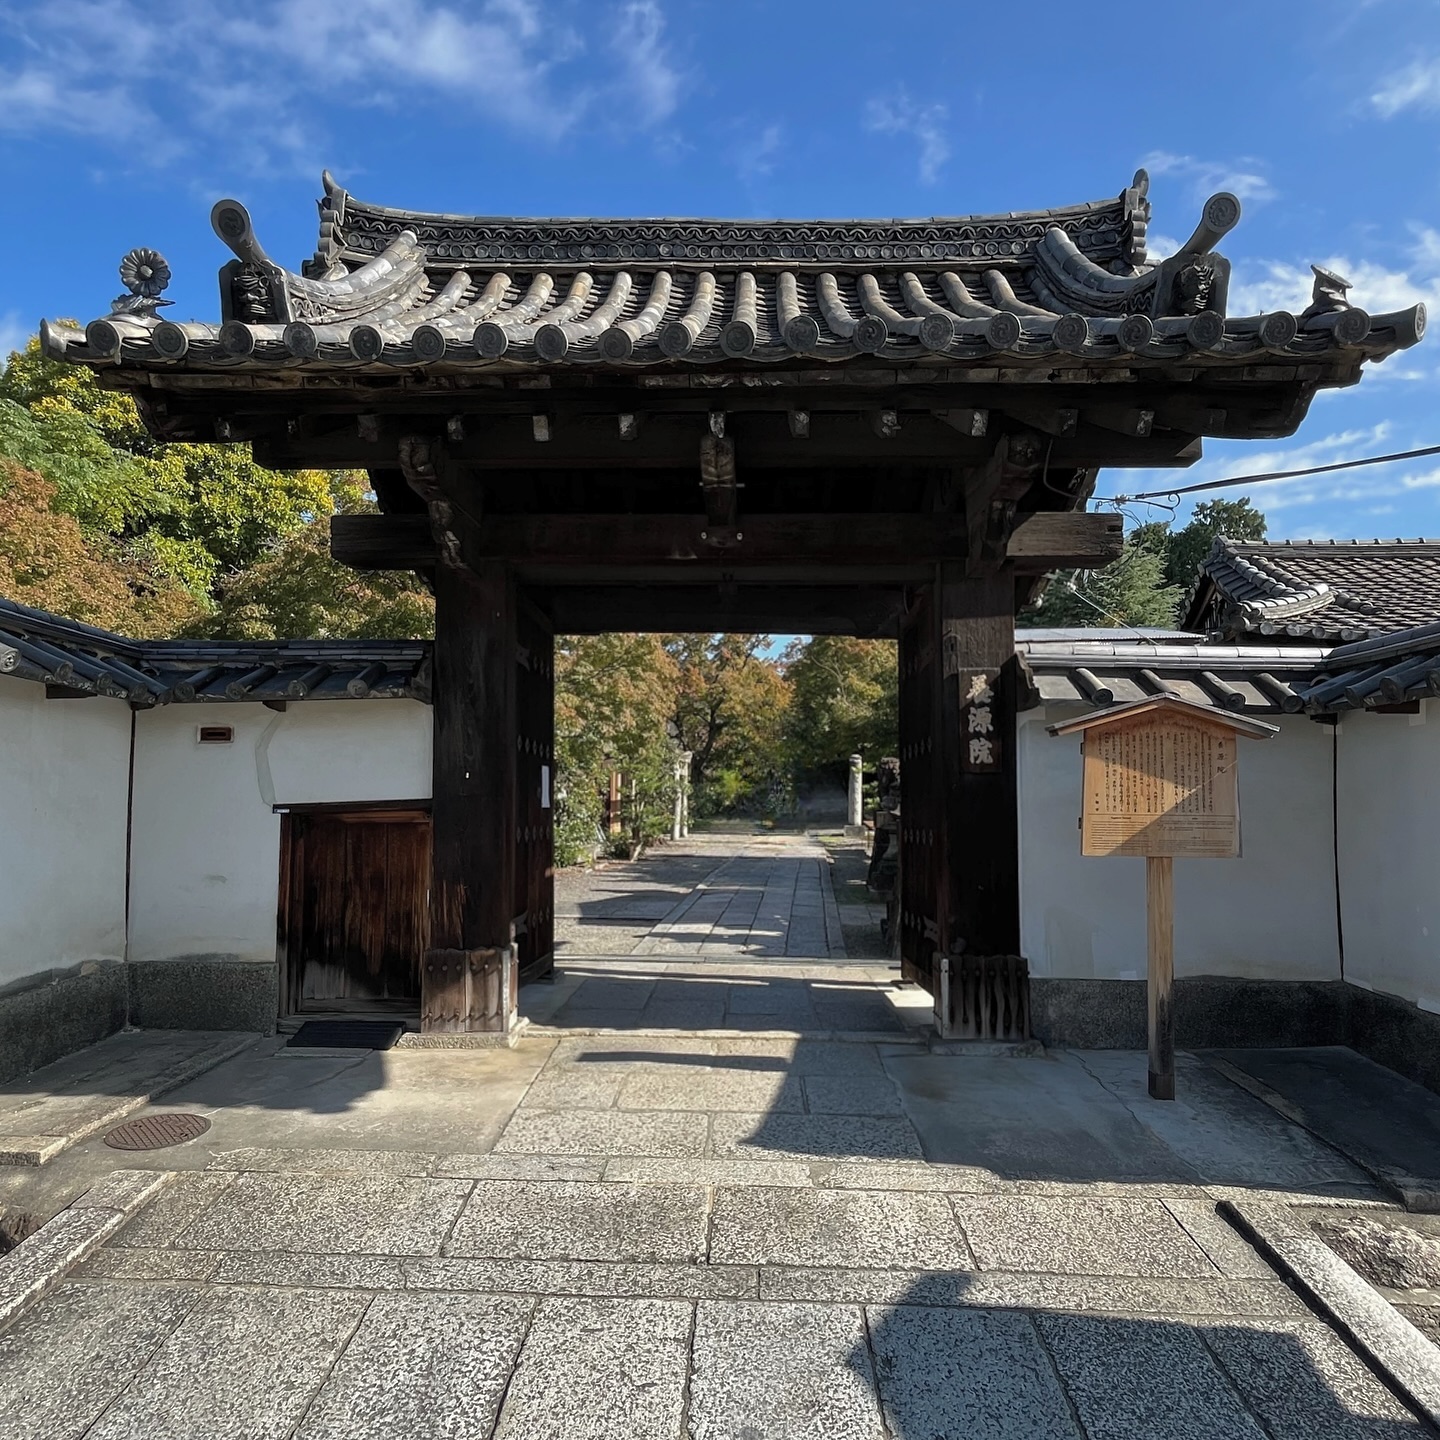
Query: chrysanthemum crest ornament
145, 274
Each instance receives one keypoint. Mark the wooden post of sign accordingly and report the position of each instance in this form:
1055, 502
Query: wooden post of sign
1161, 779
1160, 933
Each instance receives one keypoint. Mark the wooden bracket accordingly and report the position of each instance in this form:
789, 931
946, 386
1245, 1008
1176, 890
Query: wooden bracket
993, 496
717, 478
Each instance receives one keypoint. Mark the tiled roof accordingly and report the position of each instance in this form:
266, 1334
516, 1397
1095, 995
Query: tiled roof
1331, 591
1387, 670
1073, 667
35, 645
391, 288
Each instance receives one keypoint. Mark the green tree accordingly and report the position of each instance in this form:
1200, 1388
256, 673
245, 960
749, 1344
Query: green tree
192, 513
729, 714
1128, 591
844, 699
614, 699
1234, 519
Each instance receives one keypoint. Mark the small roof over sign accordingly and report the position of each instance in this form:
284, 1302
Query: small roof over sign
1173, 704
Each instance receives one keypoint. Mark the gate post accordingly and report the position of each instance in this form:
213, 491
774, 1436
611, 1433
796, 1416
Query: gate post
468, 976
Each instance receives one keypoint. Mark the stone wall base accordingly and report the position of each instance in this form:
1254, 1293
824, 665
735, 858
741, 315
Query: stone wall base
45, 1016
204, 992
1220, 1013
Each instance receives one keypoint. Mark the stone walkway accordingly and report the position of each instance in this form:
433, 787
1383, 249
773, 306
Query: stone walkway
749, 940
737, 1235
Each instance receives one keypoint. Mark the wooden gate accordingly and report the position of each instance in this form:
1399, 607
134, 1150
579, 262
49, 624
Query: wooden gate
354, 908
534, 784
922, 833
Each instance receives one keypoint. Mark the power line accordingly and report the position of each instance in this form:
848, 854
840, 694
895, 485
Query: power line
1279, 475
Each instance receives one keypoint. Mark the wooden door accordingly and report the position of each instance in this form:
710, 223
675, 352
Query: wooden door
534, 908
355, 914
922, 816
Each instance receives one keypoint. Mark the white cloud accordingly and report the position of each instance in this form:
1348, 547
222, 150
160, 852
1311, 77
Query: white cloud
898, 114
754, 156
263, 76
1263, 285
1417, 86
1243, 178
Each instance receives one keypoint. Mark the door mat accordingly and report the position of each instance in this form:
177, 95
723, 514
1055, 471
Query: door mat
347, 1035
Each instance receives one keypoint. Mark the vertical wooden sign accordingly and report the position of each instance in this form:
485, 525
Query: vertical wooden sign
1161, 780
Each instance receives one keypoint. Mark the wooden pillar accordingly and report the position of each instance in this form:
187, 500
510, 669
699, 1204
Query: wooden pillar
979, 854
1160, 979
468, 977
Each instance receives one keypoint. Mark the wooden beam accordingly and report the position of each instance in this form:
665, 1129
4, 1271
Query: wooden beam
404, 542
869, 612
1065, 540
467, 975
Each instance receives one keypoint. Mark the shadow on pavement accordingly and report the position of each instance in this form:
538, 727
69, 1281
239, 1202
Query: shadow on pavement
981, 1373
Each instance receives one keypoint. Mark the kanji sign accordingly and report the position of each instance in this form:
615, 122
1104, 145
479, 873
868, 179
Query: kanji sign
980, 742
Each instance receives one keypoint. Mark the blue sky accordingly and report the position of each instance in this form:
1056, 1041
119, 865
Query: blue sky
121, 121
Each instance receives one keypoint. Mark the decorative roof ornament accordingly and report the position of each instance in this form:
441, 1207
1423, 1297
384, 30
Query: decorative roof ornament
144, 274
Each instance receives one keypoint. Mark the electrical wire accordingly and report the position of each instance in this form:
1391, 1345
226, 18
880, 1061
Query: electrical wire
1279, 475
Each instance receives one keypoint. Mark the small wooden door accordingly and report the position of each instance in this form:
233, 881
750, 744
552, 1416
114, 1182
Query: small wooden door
354, 908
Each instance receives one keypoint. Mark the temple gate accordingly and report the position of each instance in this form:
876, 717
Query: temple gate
875, 428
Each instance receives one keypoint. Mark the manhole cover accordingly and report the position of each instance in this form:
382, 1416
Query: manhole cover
155, 1132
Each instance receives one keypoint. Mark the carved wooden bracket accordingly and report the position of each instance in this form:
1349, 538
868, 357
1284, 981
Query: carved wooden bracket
717, 480
992, 497
423, 461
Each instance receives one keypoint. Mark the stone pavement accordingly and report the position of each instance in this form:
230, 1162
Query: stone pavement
731, 1235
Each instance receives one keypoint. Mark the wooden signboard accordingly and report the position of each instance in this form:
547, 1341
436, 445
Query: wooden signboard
1161, 783
1161, 779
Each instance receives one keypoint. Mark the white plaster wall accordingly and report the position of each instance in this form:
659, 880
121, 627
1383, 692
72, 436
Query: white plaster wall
64, 781
206, 841
1268, 915
1389, 792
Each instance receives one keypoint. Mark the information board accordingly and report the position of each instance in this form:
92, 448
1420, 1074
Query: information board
1160, 784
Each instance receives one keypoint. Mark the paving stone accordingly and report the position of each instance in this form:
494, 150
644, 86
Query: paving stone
428, 1367
193, 1385
38, 1264
692, 1014
770, 1371
574, 1087
63, 1363
332, 1214
579, 1277
321, 1161
709, 1172
800, 1057
1229, 1251
563, 1220
1125, 1295
1079, 1237
189, 1195
122, 1264
814, 1137
1131, 1378
603, 1132
851, 1095
861, 1228
311, 1272
123, 1190
1305, 1384
619, 993
520, 1167
595, 1369
737, 1090
879, 1175
971, 1373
